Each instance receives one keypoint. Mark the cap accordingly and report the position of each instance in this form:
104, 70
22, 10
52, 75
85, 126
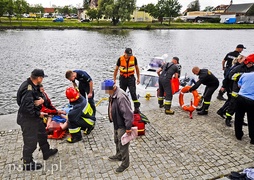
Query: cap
107, 84
176, 58
38, 73
249, 59
240, 46
128, 51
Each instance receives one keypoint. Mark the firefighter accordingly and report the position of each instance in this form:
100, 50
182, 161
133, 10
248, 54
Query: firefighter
127, 64
205, 77
29, 118
80, 117
165, 73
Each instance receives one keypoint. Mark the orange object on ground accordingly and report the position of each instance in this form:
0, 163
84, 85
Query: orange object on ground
193, 105
139, 123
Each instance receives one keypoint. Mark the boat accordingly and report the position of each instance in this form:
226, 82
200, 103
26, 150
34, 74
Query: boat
149, 79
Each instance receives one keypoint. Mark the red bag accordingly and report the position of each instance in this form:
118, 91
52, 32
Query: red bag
175, 85
139, 123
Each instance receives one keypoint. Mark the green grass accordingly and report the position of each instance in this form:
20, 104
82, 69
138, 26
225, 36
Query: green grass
46, 23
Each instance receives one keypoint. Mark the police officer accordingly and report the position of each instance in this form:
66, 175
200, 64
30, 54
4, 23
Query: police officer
80, 117
29, 118
165, 73
127, 64
205, 77
228, 61
85, 85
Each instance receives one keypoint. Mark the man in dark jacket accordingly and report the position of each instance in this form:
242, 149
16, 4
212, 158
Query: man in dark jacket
80, 117
165, 73
29, 118
205, 77
121, 114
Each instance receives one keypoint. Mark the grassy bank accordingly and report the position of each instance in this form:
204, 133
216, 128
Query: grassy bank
43, 23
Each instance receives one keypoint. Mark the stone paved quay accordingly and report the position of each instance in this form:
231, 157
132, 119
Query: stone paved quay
174, 147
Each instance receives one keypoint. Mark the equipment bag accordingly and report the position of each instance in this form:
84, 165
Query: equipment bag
137, 121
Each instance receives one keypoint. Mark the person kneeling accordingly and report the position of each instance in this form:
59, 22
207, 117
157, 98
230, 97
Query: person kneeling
80, 117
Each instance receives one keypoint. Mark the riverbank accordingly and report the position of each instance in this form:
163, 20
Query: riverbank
107, 25
174, 147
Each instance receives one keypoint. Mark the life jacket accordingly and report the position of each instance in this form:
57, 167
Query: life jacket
127, 67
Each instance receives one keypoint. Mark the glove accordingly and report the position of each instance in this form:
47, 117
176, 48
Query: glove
236, 76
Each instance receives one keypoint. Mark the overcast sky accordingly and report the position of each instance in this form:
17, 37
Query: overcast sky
184, 3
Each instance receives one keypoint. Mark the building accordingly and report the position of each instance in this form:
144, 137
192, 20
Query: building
242, 12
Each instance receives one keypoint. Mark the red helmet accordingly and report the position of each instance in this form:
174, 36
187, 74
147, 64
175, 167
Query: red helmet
72, 94
249, 59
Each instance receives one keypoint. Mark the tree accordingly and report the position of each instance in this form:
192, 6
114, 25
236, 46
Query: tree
3, 4
94, 14
208, 9
149, 8
10, 9
117, 9
20, 7
166, 8
193, 6
86, 4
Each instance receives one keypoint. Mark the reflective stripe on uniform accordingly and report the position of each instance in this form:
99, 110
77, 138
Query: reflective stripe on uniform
74, 130
167, 102
205, 102
88, 121
234, 94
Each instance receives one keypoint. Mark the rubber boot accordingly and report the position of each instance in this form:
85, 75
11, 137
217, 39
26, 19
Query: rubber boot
47, 152
204, 111
168, 110
75, 137
160, 102
220, 96
221, 113
228, 121
30, 165
136, 107
200, 108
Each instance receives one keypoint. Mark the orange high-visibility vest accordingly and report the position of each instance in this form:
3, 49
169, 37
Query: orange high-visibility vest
127, 70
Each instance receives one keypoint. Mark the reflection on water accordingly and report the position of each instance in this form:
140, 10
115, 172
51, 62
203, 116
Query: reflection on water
97, 52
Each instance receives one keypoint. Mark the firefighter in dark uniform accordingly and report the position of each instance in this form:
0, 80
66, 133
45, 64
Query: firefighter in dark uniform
80, 117
234, 75
205, 77
165, 73
85, 85
30, 119
228, 61
127, 64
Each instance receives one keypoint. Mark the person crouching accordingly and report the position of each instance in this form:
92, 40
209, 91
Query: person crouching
80, 117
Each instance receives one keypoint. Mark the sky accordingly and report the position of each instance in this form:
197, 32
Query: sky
184, 3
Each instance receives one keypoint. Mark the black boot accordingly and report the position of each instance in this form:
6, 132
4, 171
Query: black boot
47, 152
220, 113
75, 137
200, 108
30, 165
228, 121
204, 111
160, 102
136, 107
220, 96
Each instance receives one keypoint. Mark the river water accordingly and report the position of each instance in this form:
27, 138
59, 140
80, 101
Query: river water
97, 52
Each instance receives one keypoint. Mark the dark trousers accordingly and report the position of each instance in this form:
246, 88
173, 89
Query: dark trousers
129, 82
82, 124
209, 90
122, 150
33, 131
165, 87
225, 106
244, 105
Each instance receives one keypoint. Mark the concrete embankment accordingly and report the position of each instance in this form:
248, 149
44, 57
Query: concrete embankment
174, 147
